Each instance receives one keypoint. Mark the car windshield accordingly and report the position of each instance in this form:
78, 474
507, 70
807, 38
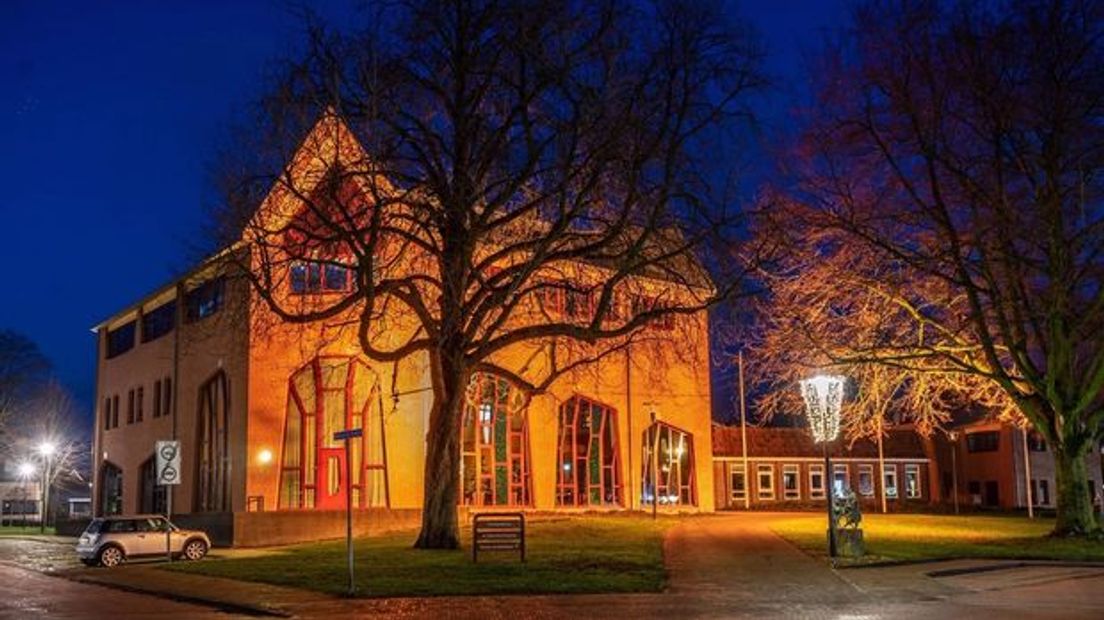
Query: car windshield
94, 527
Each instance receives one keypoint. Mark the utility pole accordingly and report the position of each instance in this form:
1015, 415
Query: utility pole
743, 430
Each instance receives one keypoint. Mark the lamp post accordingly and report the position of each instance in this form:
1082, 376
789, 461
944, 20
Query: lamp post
46, 450
823, 396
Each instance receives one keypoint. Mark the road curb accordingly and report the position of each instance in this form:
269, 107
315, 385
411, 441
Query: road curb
220, 605
990, 568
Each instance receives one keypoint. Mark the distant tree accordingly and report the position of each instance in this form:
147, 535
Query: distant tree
535, 174
956, 154
23, 371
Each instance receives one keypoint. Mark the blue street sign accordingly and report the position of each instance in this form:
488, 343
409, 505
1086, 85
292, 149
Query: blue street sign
349, 434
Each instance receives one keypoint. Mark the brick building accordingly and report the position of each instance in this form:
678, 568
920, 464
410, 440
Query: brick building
785, 467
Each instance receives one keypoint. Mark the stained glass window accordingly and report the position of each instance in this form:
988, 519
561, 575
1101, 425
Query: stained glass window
588, 465
494, 444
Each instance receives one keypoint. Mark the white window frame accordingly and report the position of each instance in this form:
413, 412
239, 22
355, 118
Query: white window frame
764, 493
795, 469
841, 467
912, 469
892, 491
733, 472
867, 469
816, 492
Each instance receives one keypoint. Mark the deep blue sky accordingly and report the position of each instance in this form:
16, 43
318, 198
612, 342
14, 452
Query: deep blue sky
109, 112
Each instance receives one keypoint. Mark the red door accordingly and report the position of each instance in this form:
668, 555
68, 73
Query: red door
331, 484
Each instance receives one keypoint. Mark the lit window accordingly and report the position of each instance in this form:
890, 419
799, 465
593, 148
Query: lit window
494, 444
891, 481
668, 466
912, 480
589, 473
840, 479
816, 482
866, 480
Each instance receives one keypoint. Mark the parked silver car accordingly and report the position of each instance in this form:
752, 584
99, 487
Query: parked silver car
110, 541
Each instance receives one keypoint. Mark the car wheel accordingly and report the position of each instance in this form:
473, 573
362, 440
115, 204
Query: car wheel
111, 556
195, 550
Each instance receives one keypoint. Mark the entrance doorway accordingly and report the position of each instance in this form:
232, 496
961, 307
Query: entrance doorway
331, 479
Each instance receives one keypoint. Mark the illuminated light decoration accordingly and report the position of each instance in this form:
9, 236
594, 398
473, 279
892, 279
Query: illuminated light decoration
823, 396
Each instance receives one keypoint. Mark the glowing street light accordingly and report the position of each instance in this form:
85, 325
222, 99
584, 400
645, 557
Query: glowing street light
26, 470
823, 396
47, 448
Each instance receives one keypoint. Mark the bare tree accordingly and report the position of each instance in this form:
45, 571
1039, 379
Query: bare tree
956, 153
535, 175
23, 370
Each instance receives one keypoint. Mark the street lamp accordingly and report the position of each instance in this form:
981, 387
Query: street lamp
46, 450
953, 436
25, 470
823, 396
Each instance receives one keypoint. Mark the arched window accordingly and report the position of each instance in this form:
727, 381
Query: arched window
153, 498
330, 394
494, 464
588, 469
212, 447
111, 489
673, 471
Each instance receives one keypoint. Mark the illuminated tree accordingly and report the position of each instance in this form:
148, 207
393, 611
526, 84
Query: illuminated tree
534, 175
953, 165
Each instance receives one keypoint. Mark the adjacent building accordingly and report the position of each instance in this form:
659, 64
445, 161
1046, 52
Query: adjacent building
783, 467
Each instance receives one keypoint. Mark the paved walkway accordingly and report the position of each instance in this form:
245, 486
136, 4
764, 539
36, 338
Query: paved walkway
720, 566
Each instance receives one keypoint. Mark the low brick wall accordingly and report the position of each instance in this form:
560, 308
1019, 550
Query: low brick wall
255, 529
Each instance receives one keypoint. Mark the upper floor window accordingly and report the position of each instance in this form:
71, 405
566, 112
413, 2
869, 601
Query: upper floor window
204, 300
159, 321
120, 340
318, 277
986, 441
641, 304
1035, 442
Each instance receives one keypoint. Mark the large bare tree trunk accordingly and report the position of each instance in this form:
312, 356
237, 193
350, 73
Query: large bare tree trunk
440, 529
1074, 499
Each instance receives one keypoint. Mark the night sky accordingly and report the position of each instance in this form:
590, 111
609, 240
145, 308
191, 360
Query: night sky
110, 113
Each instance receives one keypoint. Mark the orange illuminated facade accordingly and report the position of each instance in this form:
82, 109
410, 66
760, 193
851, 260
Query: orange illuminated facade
255, 403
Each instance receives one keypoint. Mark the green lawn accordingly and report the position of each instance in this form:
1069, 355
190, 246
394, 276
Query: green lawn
17, 530
927, 537
583, 554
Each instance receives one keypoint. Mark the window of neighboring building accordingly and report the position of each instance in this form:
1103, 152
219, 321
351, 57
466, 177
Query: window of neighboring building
107, 414
840, 478
669, 453
816, 481
866, 480
1035, 442
159, 321
120, 340
319, 277
115, 411
890, 481
204, 300
912, 481
157, 398
130, 407
140, 396
588, 466
738, 483
791, 488
765, 474
985, 441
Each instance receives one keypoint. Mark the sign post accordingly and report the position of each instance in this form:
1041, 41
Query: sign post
168, 474
345, 436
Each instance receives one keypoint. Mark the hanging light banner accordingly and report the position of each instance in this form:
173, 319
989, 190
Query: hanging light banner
823, 396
